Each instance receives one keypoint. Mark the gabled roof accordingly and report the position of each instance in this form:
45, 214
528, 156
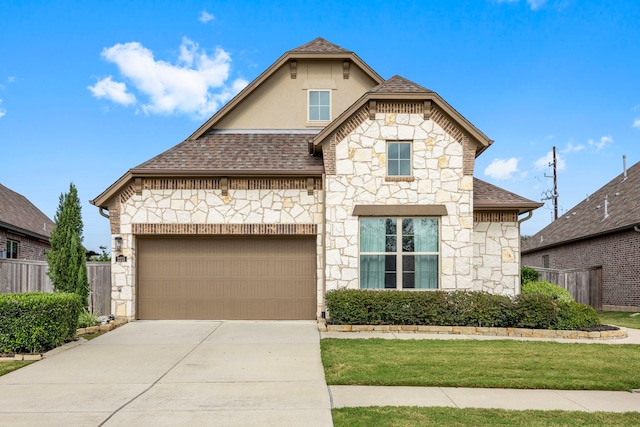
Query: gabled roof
318, 48
397, 88
228, 153
20, 215
487, 197
587, 219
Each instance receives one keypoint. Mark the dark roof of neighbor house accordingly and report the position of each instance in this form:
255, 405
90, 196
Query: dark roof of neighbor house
20, 215
620, 199
239, 153
489, 197
319, 45
398, 84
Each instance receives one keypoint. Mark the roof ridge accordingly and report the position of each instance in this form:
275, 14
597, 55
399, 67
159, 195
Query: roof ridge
399, 84
320, 45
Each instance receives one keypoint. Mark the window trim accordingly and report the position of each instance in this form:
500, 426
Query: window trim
399, 253
16, 251
400, 176
309, 119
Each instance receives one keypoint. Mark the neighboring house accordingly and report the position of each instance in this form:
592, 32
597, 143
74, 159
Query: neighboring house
602, 230
319, 175
24, 229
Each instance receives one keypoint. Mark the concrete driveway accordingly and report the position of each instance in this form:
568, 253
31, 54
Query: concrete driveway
177, 373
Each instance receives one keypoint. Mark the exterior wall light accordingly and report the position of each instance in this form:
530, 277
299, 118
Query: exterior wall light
118, 244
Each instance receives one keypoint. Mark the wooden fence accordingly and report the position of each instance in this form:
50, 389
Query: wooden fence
585, 284
19, 276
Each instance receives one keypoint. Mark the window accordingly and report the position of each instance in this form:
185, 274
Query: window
545, 261
399, 253
399, 159
319, 105
12, 249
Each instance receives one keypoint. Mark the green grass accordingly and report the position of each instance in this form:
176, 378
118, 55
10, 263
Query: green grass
470, 363
411, 416
6, 367
620, 318
89, 337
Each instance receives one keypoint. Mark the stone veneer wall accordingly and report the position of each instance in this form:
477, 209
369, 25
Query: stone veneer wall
360, 178
207, 206
496, 252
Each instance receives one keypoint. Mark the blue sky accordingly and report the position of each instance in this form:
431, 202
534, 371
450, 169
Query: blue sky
89, 90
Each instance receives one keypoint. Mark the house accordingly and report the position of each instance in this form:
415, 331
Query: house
602, 230
319, 175
24, 229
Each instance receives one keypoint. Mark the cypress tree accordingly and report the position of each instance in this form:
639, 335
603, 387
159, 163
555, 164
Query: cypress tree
66, 258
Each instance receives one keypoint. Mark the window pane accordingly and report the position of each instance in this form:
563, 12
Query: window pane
408, 280
324, 113
404, 168
390, 244
373, 234
391, 226
426, 234
407, 244
405, 150
314, 112
390, 272
394, 168
372, 275
314, 97
390, 281
393, 151
426, 272
323, 98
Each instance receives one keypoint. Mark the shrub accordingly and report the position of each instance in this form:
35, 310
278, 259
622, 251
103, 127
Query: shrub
37, 322
87, 319
535, 311
573, 315
549, 289
528, 274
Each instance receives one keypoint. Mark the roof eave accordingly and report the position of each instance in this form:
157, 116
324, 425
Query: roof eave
24, 231
520, 207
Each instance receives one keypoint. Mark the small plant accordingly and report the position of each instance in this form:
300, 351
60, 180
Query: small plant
549, 289
87, 319
528, 274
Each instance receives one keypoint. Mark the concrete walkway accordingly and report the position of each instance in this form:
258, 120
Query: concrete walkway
568, 400
177, 373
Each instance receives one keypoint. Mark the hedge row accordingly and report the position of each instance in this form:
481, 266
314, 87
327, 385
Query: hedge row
458, 308
37, 322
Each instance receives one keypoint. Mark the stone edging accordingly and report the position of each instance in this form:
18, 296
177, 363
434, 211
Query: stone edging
472, 330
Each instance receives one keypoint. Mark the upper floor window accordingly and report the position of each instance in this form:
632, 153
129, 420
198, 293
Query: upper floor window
399, 253
398, 159
12, 249
319, 105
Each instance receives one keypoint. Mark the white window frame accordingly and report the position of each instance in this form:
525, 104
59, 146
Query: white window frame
309, 105
399, 253
13, 243
410, 159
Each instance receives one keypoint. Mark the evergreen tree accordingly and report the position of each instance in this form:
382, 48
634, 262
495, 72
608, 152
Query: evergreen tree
66, 258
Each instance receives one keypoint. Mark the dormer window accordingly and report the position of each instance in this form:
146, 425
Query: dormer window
319, 105
399, 159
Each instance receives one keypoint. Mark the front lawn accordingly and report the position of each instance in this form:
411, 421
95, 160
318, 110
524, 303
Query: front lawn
620, 318
6, 367
470, 363
411, 416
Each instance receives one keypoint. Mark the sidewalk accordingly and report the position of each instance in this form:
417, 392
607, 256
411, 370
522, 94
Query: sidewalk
567, 400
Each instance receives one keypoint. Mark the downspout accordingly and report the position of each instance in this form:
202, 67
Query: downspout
102, 212
636, 228
530, 214
324, 245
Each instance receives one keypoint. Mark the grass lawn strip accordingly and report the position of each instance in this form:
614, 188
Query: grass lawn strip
412, 416
6, 367
620, 318
491, 364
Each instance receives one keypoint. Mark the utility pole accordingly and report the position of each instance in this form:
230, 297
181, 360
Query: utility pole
553, 196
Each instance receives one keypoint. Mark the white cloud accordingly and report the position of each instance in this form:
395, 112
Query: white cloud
636, 123
570, 148
502, 169
599, 145
197, 84
2, 110
536, 4
113, 91
547, 162
206, 17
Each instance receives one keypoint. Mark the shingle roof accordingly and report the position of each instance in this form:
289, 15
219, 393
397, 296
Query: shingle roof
587, 218
319, 45
239, 152
19, 213
489, 197
398, 84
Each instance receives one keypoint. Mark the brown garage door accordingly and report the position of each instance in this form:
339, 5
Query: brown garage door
226, 278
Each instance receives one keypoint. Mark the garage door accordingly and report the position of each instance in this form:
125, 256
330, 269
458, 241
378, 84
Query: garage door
226, 278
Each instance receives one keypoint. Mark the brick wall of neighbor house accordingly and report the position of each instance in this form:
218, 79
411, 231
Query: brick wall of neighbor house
619, 256
247, 202
496, 251
28, 247
360, 180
